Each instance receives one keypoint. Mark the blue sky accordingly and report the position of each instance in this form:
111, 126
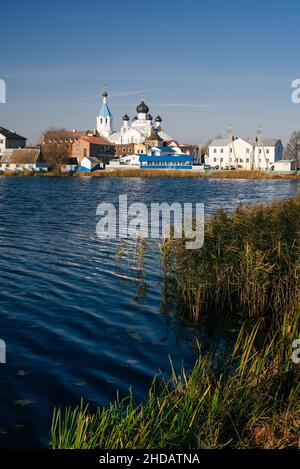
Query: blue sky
201, 64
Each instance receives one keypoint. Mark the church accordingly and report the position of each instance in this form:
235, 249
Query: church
136, 131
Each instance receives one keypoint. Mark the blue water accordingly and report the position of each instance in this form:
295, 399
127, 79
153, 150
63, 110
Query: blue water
72, 312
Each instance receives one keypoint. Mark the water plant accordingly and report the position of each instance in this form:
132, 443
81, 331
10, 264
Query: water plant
248, 267
248, 399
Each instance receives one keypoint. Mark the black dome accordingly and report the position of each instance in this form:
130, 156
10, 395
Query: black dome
158, 119
104, 94
142, 108
149, 117
126, 118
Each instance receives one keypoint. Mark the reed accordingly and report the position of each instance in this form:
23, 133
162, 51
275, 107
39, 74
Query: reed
248, 268
173, 173
249, 399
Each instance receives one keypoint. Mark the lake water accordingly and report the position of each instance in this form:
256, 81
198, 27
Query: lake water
73, 314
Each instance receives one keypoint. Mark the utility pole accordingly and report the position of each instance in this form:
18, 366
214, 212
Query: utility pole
231, 146
261, 146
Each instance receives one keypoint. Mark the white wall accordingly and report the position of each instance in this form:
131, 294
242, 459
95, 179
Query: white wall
244, 155
3, 144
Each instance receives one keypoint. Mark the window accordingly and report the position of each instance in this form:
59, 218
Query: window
215, 159
267, 150
231, 150
215, 150
222, 151
260, 150
247, 160
247, 151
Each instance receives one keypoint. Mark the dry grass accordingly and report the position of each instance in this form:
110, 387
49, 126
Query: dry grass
173, 173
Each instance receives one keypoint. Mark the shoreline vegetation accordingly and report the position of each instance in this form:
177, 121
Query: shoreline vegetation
248, 271
160, 173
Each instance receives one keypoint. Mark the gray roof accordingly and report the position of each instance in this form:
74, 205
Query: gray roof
285, 161
219, 142
21, 156
267, 142
10, 134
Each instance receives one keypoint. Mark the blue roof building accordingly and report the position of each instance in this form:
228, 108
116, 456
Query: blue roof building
166, 161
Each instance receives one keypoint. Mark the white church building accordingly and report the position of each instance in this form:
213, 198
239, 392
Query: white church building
135, 131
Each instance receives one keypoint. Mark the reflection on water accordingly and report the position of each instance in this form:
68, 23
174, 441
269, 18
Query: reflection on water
79, 315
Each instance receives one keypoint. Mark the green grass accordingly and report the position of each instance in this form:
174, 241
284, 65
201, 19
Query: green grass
247, 400
247, 271
248, 267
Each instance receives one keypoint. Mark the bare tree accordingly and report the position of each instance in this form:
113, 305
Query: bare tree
292, 149
55, 154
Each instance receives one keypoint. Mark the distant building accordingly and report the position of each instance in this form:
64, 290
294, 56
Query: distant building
10, 140
70, 165
130, 149
165, 158
166, 162
135, 131
65, 138
160, 151
244, 153
284, 166
90, 164
93, 147
22, 159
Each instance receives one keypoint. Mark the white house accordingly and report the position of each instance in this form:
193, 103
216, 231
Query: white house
284, 166
22, 159
10, 140
90, 164
244, 153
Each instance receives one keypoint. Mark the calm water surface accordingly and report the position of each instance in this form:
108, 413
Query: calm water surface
71, 312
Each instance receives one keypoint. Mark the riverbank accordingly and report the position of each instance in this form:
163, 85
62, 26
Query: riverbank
157, 173
248, 271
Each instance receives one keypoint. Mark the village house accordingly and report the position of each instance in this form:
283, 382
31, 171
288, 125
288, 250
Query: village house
10, 140
22, 159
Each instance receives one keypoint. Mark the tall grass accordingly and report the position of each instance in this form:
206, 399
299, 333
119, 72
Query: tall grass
173, 173
248, 267
247, 400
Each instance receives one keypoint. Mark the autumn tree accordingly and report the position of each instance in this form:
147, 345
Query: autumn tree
55, 154
292, 150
